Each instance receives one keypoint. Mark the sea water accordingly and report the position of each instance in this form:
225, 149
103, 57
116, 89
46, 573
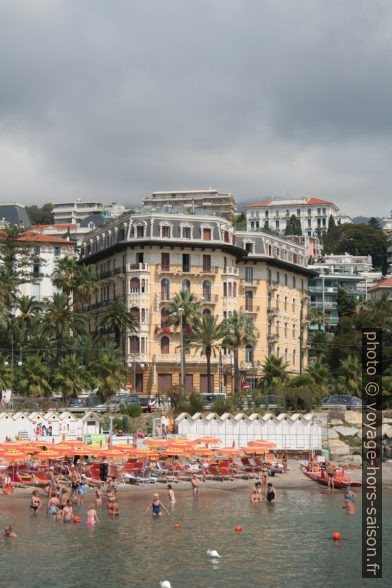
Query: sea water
285, 544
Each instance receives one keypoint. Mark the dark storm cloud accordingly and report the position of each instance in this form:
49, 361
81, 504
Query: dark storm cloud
117, 99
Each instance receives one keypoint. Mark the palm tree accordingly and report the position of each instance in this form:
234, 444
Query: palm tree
34, 377
117, 318
320, 374
274, 372
5, 375
206, 336
184, 312
71, 377
109, 373
61, 321
63, 276
349, 378
85, 283
239, 332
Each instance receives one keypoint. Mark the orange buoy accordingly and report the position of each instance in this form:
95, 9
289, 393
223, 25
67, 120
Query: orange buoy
336, 536
76, 519
8, 488
176, 525
238, 528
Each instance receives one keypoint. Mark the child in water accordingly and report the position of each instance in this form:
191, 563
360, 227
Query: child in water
92, 516
170, 492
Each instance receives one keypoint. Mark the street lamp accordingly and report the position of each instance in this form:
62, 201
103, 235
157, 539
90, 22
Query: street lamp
182, 381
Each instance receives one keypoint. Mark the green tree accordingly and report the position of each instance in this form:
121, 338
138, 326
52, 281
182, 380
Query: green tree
350, 376
17, 260
64, 275
274, 373
184, 310
62, 322
361, 240
5, 374
109, 373
33, 377
330, 238
374, 222
345, 304
71, 377
41, 215
320, 374
240, 331
293, 226
117, 318
207, 336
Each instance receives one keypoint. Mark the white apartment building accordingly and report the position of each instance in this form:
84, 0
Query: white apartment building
209, 200
75, 211
274, 214
50, 250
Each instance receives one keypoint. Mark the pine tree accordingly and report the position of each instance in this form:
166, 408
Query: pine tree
293, 226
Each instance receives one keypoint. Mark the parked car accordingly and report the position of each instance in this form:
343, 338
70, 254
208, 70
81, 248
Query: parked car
76, 403
343, 401
121, 400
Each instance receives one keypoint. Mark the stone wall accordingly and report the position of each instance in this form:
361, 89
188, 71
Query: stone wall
342, 436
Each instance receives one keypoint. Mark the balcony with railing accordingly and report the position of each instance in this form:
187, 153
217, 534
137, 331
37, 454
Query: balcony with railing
231, 271
250, 309
190, 359
133, 358
273, 310
139, 267
212, 299
273, 337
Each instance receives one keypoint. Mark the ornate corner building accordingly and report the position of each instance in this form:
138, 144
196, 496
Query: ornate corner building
144, 258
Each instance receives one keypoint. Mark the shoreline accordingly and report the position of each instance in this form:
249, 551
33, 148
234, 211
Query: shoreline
293, 480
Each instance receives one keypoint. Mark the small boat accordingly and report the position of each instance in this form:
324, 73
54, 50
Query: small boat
339, 479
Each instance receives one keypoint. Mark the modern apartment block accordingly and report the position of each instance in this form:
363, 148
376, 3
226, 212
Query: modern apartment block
208, 201
75, 211
352, 272
274, 214
145, 258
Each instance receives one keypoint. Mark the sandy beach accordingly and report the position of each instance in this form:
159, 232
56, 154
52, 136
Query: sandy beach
293, 480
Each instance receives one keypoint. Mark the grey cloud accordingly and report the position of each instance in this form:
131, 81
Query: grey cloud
117, 99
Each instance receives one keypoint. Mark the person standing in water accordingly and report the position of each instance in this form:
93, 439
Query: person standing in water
330, 474
172, 497
68, 512
92, 516
36, 502
53, 504
156, 507
271, 493
98, 497
349, 501
196, 483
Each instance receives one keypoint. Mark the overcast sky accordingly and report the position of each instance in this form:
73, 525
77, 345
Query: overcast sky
116, 99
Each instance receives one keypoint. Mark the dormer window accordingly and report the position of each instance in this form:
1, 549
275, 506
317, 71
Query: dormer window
139, 231
186, 233
206, 234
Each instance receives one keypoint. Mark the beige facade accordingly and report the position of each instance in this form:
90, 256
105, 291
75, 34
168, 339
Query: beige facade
145, 259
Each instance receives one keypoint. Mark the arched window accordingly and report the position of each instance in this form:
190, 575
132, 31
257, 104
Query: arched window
235, 289
165, 345
135, 285
134, 344
249, 354
206, 311
164, 317
186, 285
207, 290
165, 289
135, 312
224, 289
230, 290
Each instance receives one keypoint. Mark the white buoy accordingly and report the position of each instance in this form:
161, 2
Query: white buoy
165, 584
212, 553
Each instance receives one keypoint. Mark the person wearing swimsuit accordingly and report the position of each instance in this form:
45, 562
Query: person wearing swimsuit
53, 504
98, 497
271, 493
92, 516
349, 501
68, 512
36, 502
156, 507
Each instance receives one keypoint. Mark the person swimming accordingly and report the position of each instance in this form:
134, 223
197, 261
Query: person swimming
156, 507
9, 532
